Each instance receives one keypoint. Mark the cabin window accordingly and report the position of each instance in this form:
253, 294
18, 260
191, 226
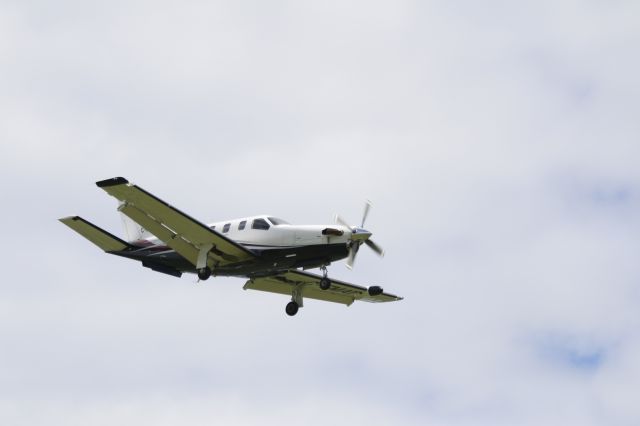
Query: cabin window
226, 227
277, 221
242, 225
260, 224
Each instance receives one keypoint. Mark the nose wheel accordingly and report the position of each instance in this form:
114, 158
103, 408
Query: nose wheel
325, 283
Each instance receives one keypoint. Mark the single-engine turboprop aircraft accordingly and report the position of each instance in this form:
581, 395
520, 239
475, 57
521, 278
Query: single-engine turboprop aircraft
268, 251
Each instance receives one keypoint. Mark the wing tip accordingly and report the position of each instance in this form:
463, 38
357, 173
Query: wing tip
111, 182
69, 218
393, 297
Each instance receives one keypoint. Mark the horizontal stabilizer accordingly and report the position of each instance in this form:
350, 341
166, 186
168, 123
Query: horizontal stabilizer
95, 234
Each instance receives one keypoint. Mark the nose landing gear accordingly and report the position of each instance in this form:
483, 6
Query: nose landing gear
325, 283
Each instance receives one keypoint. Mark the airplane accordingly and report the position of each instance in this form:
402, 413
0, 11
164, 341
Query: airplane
273, 254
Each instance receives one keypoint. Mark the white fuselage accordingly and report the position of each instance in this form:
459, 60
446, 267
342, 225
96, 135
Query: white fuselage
264, 231
279, 235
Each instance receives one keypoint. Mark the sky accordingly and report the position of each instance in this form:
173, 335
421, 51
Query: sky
498, 142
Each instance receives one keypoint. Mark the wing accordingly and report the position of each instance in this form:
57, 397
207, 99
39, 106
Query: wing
95, 234
192, 239
339, 292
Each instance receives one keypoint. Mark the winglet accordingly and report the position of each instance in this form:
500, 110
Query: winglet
111, 182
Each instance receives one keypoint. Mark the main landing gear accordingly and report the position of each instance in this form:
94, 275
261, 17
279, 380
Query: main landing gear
292, 308
204, 273
296, 295
296, 301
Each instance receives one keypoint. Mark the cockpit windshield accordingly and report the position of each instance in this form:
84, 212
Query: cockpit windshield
260, 223
277, 221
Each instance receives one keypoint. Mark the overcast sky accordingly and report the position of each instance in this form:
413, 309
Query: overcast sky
497, 140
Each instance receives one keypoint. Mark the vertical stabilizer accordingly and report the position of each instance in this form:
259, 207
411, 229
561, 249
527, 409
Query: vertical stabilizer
132, 229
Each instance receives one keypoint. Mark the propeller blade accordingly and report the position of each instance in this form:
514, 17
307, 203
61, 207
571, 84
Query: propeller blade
352, 255
341, 221
351, 259
367, 207
373, 246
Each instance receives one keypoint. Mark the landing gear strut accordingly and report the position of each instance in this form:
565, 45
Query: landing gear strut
204, 273
325, 283
296, 301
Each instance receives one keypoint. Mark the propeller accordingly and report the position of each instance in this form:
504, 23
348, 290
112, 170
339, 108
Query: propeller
359, 235
365, 213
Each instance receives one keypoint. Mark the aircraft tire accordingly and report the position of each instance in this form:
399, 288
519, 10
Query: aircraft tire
325, 283
204, 273
291, 308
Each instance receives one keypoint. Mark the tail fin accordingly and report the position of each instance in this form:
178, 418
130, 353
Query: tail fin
95, 234
133, 230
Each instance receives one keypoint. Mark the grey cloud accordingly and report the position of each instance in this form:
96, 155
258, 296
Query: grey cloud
498, 143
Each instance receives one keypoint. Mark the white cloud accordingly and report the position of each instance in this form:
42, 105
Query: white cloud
496, 140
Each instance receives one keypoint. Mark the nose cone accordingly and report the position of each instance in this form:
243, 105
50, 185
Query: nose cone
360, 234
